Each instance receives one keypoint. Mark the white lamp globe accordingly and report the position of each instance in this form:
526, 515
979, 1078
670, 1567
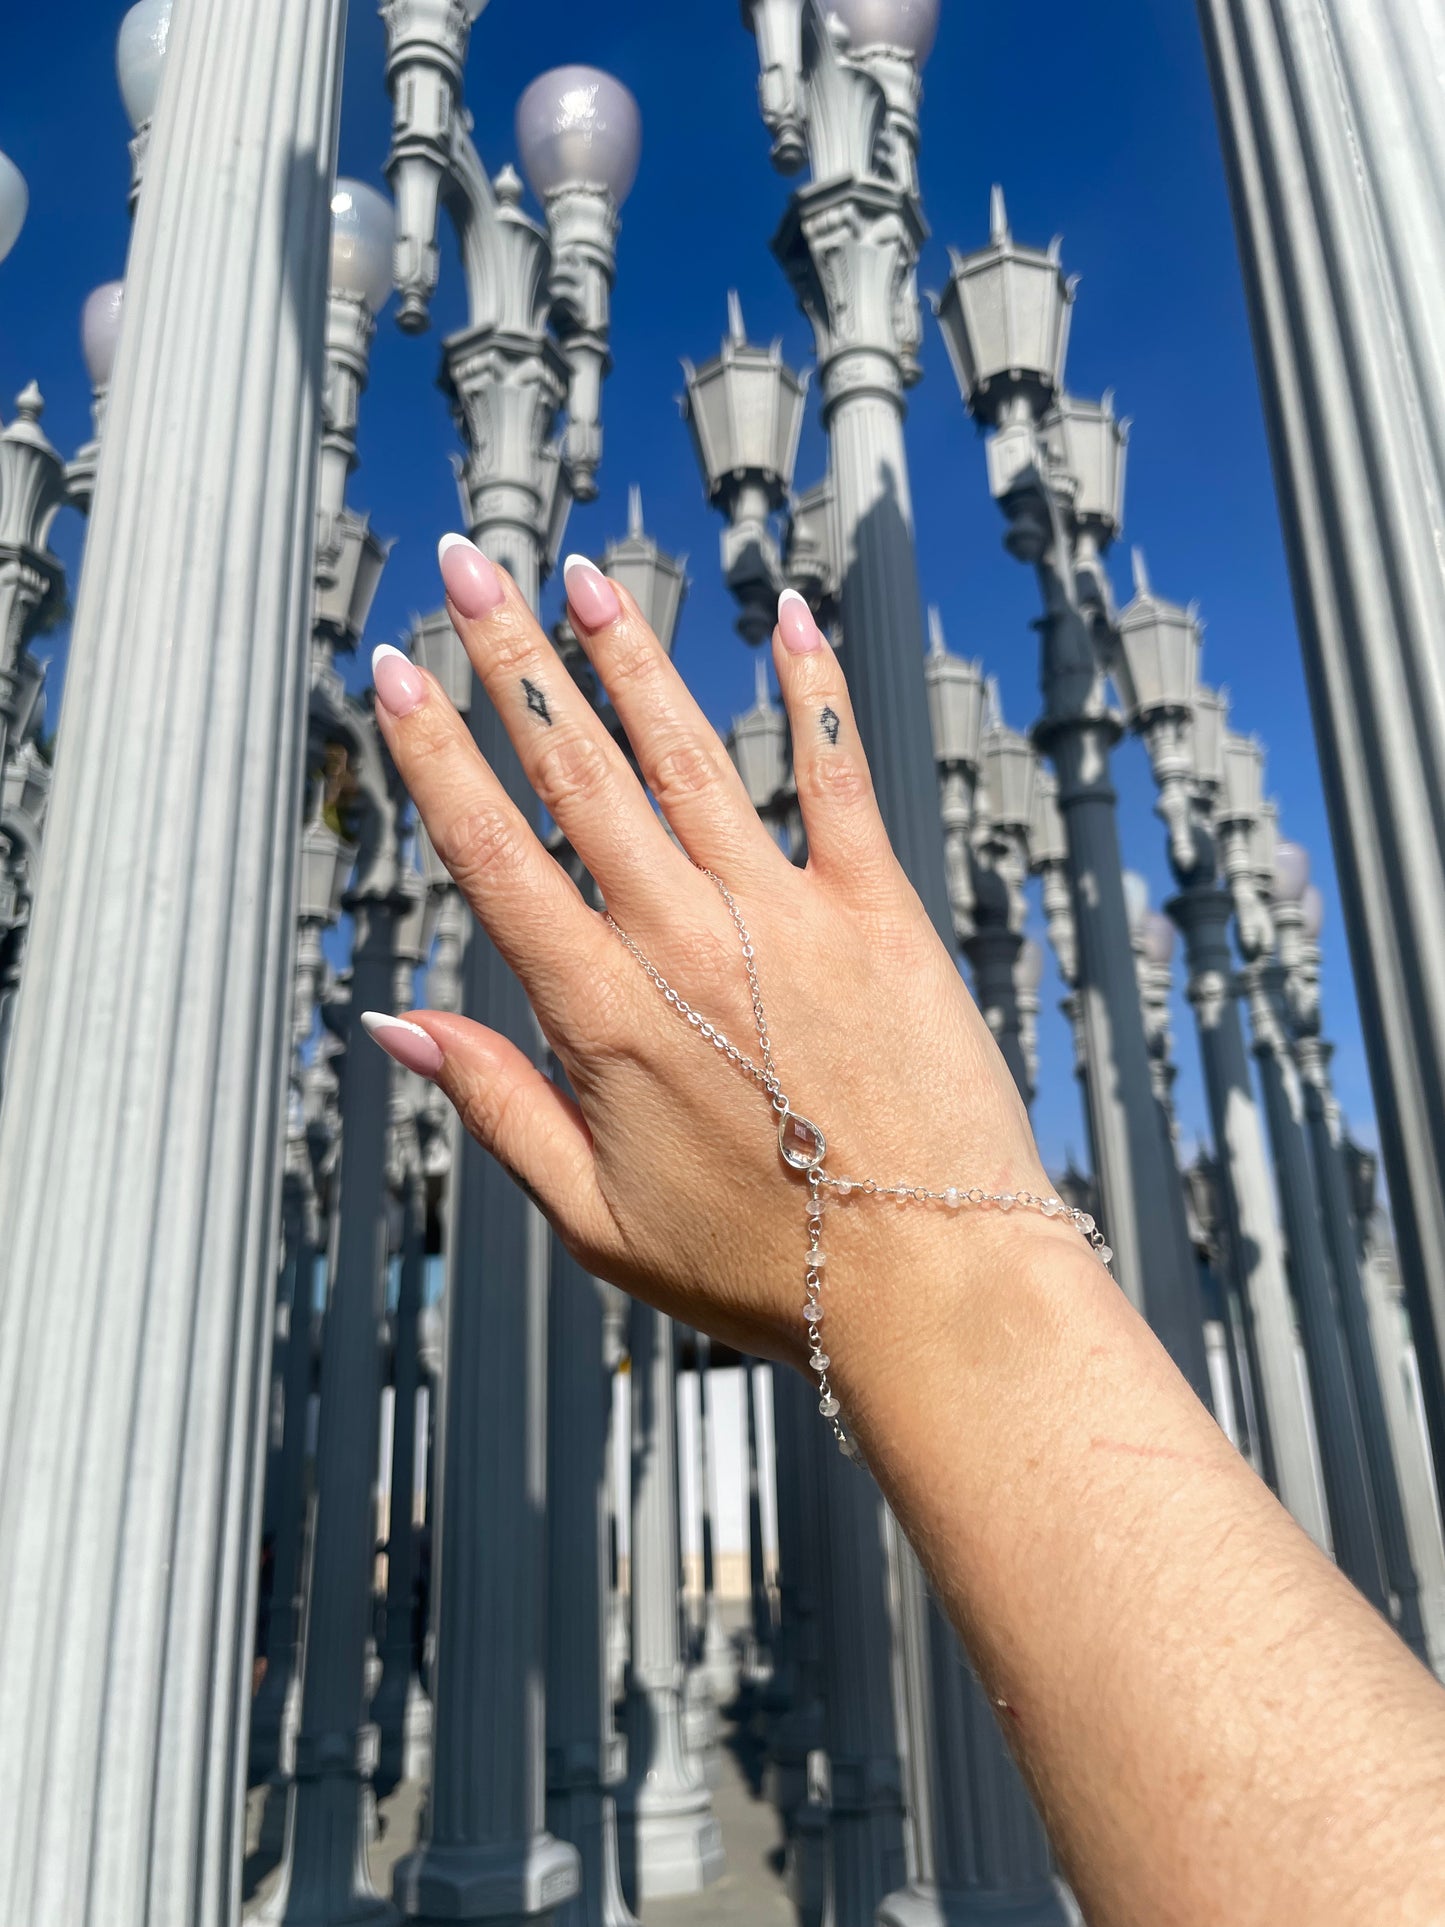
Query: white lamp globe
911, 25
1312, 909
1291, 871
1136, 901
100, 331
578, 127
14, 200
140, 58
1158, 938
363, 236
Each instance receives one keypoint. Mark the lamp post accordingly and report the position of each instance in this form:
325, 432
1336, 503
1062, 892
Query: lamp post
535, 336
140, 59
745, 413
32, 490
1004, 811
130, 1617
849, 244
1298, 918
1182, 724
1056, 469
1342, 234
955, 714
1247, 839
1049, 858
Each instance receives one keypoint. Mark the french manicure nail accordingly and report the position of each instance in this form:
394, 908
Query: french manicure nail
591, 597
407, 1043
471, 580
796, 626
400, 685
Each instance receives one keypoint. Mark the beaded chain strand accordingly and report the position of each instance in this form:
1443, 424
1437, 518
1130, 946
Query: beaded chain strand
803, 1147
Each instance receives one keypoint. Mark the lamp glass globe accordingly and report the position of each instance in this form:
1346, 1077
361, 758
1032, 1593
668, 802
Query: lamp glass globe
909, 24
100, 330
363, 236
578, 127
1029, 969
1291, 871
1312, 907
14, 200
140, 58
1158, 938
1136, 900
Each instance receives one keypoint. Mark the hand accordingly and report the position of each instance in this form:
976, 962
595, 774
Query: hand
664, 1174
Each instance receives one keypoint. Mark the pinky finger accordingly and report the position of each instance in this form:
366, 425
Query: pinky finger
533, 1129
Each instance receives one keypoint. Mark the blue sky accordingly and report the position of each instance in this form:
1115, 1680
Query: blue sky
1098, 123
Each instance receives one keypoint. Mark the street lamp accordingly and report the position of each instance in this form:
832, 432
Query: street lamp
1156, 669
32, 490
140, 57
656, 581
100, 324
579, 136
955, 714
745, 412
14, 200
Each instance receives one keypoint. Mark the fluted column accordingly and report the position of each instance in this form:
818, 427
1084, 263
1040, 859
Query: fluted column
325, 1878
719, 1661
398, 1678
1329, 113
1342, 1462
149, 1055
1251, 1234
668, 1838
580, 1806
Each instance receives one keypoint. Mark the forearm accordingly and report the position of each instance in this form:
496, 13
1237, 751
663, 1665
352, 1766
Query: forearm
1180, 1671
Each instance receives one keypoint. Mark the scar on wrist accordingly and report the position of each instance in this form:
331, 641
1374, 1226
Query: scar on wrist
537, 702
830, 722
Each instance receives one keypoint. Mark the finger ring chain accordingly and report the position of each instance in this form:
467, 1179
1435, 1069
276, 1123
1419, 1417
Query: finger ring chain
802, 1147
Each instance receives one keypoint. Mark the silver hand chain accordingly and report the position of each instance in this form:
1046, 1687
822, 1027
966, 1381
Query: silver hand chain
802, 1147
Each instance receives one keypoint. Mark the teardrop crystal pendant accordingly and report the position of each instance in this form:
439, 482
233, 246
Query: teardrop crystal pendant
800, 1141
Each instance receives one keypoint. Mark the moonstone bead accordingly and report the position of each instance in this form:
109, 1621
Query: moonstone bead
820, 1361
817, 1259
845, 1190
1051, 1207
951, 1197
1106, 1255
812, 1313
829, 1407
1006, 1201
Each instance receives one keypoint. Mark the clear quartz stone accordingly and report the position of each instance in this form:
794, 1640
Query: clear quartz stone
829, 1407
1106, 1255
1006, 1201
800, 1141
1051, 1207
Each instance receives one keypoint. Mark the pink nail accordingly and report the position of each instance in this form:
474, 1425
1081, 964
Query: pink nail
407, 1043
796, 626
471, 581
591, 597
400, 685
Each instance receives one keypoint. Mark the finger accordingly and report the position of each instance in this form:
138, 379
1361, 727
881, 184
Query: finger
569, 758
678, 751
529, 906
530, 1126
846, 837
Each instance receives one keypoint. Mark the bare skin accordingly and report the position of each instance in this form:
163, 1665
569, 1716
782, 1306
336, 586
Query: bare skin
1215, 1725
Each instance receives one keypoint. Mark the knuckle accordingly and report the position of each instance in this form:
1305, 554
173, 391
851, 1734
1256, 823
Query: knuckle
570, 768
605, 1027
837, 782
685, 770
632, 659
481, 843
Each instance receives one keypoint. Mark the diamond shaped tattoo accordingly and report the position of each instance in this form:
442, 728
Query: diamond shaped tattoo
831, 722
537, 702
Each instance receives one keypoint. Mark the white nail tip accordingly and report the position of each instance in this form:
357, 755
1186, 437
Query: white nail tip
374, 1020
453, 542
579, 562
791, 595
387, 649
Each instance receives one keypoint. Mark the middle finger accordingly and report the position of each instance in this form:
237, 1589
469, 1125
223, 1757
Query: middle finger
569, 758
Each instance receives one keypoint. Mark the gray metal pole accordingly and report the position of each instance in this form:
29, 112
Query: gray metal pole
667, 1836
149, 1054
580, 1806
1329, 113
1252, 1238
325, 1877
399, 1685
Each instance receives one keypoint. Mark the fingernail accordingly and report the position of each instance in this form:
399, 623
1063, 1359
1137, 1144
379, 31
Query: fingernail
796, 626
400, 685
471, 580
407, 1043
591, 597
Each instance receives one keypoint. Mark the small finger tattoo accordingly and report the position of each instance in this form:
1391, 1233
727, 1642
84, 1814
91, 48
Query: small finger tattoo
831, 722
537, 702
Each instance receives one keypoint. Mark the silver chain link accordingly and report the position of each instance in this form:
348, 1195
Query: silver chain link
766, 1076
